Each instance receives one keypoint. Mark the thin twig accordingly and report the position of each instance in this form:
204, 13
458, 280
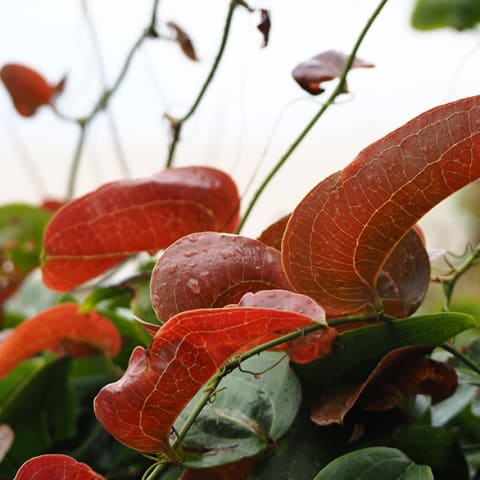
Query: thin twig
460, 356
340, 88
102, 103
176, 124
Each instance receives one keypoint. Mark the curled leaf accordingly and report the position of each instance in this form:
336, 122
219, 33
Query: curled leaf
97, 231
342, 233
27, 88
323, 67
55, 467
209, 269
59, 328
264, 25
183, 40
140, 408
402, 373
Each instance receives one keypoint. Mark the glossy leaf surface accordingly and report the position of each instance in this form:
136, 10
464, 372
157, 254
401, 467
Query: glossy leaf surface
204, 270
139, 409
60, 328
27, 88
374, 462
362, 348
55, 467
341, 234
323, 67
257, 407
97, 231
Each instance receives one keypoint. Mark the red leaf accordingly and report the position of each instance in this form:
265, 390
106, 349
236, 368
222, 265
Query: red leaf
264, 26
323, 67
204, 270
140, 408
343, 231
184, 41
273, 235
61, 327
402, 373
97, 231
27, 88
55, 467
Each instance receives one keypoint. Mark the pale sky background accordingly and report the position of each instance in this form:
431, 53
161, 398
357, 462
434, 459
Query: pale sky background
252, 102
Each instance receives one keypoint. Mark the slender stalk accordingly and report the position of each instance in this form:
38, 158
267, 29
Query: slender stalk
76, 161
463, 358
337, 91
102, 103
449, 283
177, 123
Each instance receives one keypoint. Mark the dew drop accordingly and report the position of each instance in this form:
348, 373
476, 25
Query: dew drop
190, 253
172, 269
194, 286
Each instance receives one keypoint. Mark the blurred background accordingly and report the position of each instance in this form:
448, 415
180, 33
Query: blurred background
253, 110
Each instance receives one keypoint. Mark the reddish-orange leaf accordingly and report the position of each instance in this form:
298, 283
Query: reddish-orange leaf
55, 467
140, 408
273, 234
343, 231
28, 89
209, 269
402, 373
97, 231
323, 67
59, 328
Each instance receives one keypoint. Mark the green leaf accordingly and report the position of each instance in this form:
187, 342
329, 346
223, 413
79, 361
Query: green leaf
375, 462
247, 417
362, 348
437, 447
21, 234
433, 14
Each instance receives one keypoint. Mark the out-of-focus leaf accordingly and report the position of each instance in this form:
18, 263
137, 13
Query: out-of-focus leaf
60, 328
55, 467
139, 409
402, 373
433, 14
374, 462
251, 414
362, 348
209, 269
264, 25
7, 436
443, 412
323, 67
183, 40
27, 88
437, 447
342, 233
93, 233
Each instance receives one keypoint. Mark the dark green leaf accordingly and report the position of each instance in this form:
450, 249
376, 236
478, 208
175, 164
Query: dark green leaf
245, 419
21, 234
437, 447
362, 348
458, 14
374, 463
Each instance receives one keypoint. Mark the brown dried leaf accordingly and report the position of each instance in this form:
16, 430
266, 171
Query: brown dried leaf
324, 67
264, 25
183, 40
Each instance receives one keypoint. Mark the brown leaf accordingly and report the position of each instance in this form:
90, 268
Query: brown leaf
264, 25
183, 40
324, 67
402, 373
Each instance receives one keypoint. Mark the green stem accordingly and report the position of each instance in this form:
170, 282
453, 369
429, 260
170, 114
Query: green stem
102, 102
177, 123
337, 91
463, 358
449, 284
76, 161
